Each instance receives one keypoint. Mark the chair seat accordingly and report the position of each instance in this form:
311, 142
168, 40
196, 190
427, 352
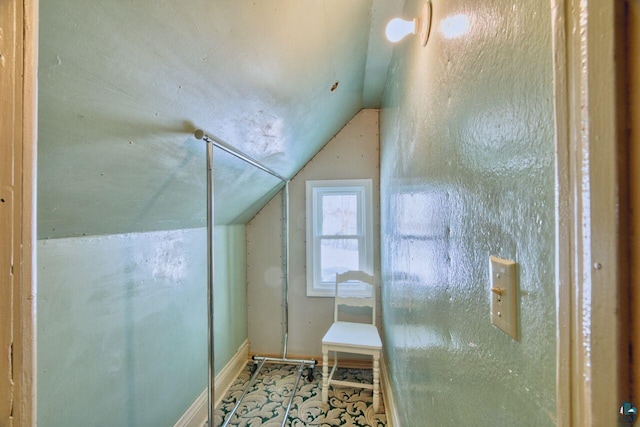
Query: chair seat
349, 337
353, 335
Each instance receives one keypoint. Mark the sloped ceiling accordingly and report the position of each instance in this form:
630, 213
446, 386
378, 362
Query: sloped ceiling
123, 84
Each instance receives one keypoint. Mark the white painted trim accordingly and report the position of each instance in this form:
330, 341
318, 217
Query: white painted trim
196, 415
231, 370
589, 269
18, 115
389, 402
28, 315
364, 189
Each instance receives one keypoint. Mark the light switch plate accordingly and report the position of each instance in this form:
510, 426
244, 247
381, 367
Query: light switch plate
504, 310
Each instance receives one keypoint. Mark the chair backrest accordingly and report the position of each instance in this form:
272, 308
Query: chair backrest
355, 289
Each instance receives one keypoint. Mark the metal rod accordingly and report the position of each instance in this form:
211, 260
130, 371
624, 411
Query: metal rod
229, 149
285, 361
213, 141
199, 134
210, 267
244, 393
285, 267
293, 393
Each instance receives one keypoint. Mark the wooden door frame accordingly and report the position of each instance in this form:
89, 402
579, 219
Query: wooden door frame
589, 259
18, 130
633, 66
591, 196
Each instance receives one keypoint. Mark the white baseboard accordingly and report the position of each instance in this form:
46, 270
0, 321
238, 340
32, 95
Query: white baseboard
196, 415
389, 402
198, 412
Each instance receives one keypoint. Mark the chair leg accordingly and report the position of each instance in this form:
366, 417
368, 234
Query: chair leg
325, 375
376, 382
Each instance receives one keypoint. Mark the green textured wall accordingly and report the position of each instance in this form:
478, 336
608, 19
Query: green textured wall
122, 85
467, 171
122, 330
230, 327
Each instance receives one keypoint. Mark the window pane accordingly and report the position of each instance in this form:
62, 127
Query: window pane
339, 215
337, 256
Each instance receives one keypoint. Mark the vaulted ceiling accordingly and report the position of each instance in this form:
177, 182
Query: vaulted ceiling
123, 84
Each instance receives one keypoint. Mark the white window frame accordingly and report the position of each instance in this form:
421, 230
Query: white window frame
314, 190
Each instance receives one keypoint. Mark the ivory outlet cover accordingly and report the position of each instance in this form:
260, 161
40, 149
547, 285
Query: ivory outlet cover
503, 290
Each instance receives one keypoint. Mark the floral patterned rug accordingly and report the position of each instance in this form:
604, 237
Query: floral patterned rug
266, 401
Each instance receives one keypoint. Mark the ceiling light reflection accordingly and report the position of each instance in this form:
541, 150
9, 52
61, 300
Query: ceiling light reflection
455, 26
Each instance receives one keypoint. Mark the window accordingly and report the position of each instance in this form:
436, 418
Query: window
339, 232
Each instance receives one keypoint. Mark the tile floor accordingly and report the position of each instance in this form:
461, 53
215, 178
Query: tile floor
265, 403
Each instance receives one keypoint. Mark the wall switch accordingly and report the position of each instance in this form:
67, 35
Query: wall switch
504, 313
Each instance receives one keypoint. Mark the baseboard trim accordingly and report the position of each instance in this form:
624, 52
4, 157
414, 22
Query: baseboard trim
389, 402
196, 415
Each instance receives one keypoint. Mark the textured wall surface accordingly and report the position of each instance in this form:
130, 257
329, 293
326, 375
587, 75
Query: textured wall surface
230, 299
123, 85
122, 330
352, 154
467, 171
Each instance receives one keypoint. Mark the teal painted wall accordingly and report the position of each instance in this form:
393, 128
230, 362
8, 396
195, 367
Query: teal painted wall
122, 85
122, 330
467, 171
230, 302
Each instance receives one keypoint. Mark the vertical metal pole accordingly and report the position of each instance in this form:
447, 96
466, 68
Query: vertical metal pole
293, 394
210, 310
285, 265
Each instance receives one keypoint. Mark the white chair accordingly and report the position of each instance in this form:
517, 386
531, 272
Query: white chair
350, 337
